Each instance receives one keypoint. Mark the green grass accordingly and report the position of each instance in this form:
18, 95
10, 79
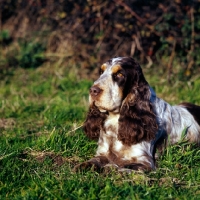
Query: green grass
41, 112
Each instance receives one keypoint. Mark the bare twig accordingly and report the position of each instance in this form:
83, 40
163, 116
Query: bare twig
130, 10
150, 62
133, 47
190, 57
137, 41
169, 66
75, 129
192, 28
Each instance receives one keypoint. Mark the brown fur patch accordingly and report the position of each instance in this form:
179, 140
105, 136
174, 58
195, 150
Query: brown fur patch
96, 164
116, 68
137, 120
94, 122
103, 67
139, 166
130, 99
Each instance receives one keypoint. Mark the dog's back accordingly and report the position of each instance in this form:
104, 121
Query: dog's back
173, 120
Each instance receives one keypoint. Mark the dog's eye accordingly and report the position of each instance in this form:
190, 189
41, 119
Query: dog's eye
119, 75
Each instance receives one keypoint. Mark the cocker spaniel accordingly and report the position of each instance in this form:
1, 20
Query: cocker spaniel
130, 122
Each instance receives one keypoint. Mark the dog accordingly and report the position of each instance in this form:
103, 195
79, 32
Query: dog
130, 122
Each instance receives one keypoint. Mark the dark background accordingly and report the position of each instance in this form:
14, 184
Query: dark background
157, 33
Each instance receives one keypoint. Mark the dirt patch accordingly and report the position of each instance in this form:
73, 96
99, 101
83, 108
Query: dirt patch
7, 123
57, 159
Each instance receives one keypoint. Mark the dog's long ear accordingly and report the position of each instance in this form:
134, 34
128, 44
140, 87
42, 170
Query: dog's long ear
137, 121
94, 122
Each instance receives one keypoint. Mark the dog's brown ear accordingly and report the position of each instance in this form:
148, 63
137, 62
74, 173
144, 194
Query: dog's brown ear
94, 122
137, 121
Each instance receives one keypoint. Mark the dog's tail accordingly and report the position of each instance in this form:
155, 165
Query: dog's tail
193, 109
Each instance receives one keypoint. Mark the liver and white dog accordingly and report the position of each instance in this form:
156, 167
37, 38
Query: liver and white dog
130, 122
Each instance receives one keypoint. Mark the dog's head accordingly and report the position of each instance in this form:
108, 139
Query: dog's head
122, 88
119, 80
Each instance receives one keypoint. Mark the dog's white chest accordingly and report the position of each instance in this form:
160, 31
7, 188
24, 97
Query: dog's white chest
109, 144
111, 125
108, 136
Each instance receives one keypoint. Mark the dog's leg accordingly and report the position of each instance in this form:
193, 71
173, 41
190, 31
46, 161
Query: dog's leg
138, 167
96, 164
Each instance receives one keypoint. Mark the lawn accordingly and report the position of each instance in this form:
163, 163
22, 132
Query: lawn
41, 114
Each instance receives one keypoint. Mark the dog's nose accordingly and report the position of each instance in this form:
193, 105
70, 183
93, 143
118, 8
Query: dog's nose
94, 90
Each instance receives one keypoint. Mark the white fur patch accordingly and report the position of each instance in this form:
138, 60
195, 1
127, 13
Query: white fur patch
174, 120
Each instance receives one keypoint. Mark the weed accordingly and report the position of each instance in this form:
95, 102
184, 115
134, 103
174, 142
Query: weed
31, 54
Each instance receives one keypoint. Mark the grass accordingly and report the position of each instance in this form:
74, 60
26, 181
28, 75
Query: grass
41, 112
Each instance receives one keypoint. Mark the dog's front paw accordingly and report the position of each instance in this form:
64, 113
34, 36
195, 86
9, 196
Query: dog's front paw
108, 168
88, 165
94, 164
138, 167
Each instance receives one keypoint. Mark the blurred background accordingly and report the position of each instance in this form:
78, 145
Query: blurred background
162, 35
